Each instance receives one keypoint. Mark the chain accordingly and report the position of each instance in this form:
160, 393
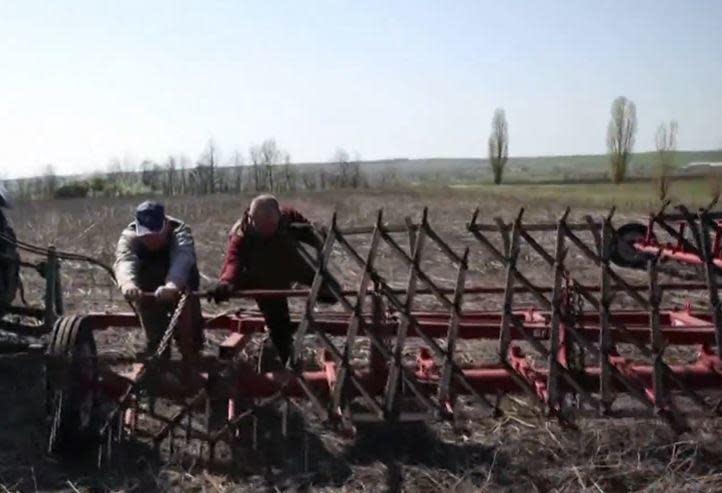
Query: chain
168, 334
148, 361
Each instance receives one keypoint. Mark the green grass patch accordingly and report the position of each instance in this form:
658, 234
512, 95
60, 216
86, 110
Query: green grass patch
636, 196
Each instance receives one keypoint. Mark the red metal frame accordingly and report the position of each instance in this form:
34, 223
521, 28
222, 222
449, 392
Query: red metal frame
677, 251
681, 327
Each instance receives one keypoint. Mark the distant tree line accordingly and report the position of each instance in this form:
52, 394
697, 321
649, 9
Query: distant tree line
270, 169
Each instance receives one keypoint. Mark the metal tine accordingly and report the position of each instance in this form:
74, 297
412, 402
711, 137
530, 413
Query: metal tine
350, 374
596, 233
503, 232
560, 253
307, 320
531, 241
564, 372
605, 300
369, 332
344, 302
419, 273
710, 276
659, 219
511, 244
503, 259
433, 345
410, 321
411, 233
230, 425
512, 252
581, 340
546, 303
691, 220
660, 394
392, 381
695, 230
455, 257
453, 330
189, 426
621, 327
427, 229
455, 312
178, 417
713, 202
353, 325
527, 387
620, 281
518, 325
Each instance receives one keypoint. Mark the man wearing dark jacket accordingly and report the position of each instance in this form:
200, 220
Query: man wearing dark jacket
262, 254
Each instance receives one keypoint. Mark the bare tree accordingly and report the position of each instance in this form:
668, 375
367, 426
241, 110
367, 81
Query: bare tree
270, 156
238, 172
342, 160
205, 171
264, 158
498, 144
309, 180
50, 182
150, 174
620, 136
357, 179
666, 142
183, 164
289, 173
389, 177
169, 187
255, 154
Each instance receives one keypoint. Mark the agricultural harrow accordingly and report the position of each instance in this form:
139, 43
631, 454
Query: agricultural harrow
572, 332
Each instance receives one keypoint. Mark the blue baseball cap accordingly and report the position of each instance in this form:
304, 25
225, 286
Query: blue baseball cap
149, 218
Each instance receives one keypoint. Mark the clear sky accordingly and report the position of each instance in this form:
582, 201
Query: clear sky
82, 82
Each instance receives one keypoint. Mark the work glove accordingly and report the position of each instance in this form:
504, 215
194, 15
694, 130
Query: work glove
131, 292
168, 293
221, 291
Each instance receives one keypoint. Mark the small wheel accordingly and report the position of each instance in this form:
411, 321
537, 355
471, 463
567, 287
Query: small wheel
72, 386
623, 252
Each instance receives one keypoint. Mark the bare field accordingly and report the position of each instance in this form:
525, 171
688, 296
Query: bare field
520, 452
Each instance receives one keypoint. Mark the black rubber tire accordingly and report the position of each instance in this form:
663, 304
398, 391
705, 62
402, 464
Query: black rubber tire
72, 386
623, 252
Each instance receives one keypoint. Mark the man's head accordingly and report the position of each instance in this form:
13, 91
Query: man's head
265, 215
151, 225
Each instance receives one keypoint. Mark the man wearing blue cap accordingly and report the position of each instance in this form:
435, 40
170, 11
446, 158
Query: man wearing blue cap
156, 254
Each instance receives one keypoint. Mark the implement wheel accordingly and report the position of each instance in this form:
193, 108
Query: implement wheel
623, 252
72, 363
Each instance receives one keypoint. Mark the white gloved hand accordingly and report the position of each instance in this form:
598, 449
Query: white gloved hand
131, 292
168, 293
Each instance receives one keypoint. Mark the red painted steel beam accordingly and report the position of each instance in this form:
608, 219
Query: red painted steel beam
669, 252
705, 373
269, 294
678, 327
484, 380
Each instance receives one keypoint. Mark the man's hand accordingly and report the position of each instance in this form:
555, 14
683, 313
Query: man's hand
131, 292
221, 291
167, 293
